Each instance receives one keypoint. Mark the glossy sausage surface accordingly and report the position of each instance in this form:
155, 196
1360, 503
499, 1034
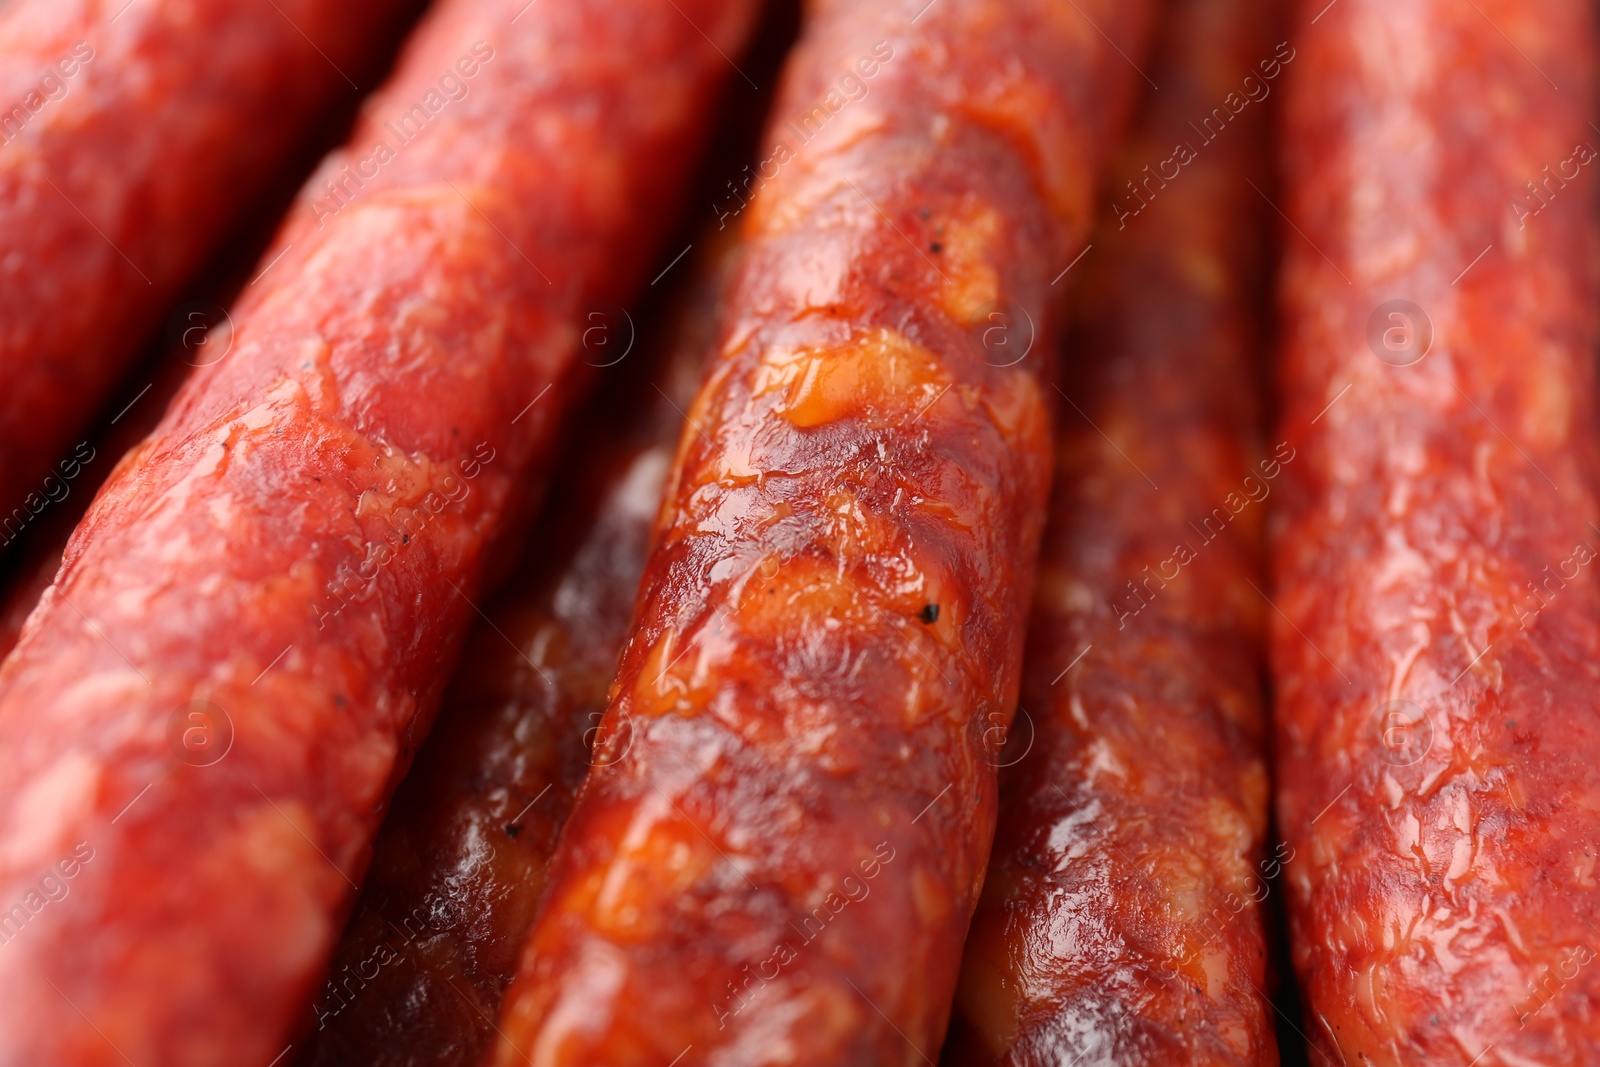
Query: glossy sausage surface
1121, 922
781, 867
132, 137
1437, 658
253, 624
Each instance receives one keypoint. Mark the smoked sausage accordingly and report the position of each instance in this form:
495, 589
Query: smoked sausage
1121, 921
1437, 617
782, 866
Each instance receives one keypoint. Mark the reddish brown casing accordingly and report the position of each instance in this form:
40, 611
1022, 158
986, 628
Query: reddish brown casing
1436, 657
253, 623
782, 866
1120, 922
460, 862
132, 135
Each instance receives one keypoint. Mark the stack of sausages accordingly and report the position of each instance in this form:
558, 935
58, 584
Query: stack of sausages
1061, 538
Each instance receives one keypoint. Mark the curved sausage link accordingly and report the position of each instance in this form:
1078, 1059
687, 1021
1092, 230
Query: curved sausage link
1435, 659
1119, 922
132, 137
782, 866
459, 864
252, 625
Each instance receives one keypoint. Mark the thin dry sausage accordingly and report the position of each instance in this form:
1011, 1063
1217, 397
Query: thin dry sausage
1436, 656
1121, 921
782, 867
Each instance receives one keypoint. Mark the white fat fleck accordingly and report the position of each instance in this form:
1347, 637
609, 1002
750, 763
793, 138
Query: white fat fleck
639, 495
1399, 567
1393, 791
1094, 1033
654, 810
1395, 51
1462, 853
1513, 932
595, 982
1400, 665
1079, 599
1103, 759
46, 813
1509, 1056
1068, 840
113, 687
778, 1013
265, 414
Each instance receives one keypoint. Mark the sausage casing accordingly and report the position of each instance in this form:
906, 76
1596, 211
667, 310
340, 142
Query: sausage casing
782, 867
1120, 922
1435, 658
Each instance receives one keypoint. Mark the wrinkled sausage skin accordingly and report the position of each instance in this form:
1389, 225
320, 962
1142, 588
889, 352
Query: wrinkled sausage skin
1121, 920
298, 543
132, 136
780, 866
1436, 657
459, 863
